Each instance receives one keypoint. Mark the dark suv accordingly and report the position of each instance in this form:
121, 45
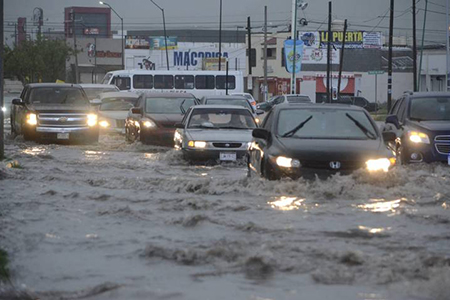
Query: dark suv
50, 111
421, 122
357, 101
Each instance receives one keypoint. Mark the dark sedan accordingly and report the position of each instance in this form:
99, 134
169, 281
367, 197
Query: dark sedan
308, 139
153, 119
421, 122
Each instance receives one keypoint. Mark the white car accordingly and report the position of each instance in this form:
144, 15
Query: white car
113, 110
249, 97
290, 98
215, 132
94, 90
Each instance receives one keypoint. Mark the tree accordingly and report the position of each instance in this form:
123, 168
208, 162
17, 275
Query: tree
38, 61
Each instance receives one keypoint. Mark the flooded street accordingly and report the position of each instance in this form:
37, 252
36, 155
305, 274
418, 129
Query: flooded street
129, 221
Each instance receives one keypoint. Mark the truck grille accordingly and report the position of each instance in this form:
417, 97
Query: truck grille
227, 145
120, 123
443, 148
442, 138
62, 119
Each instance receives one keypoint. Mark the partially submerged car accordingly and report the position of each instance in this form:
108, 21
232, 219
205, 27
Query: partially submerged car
113, 110
289, 98
215, 132
54, 111
228, 100
318, 139
153, 119
93, 90
421, 121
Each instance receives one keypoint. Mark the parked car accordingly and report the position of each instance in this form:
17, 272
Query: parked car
94, 90
51, 111
215, 132
153, 119
308, 139
357, 101
228, 100
113, 110
249, 98
421, 121
276, 100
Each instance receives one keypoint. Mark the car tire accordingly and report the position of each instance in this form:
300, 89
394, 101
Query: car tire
128, 135
27, 135
268, 172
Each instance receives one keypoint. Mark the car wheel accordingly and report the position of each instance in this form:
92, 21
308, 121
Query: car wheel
27, 135
128, 135
401, 156
268, 172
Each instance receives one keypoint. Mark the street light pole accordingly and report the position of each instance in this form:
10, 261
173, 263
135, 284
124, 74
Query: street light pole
294, 38
165, 34
121, 20
220, 37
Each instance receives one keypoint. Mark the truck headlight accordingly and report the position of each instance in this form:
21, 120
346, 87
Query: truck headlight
4, 109
197, 144
91, 120
148, 123
384, 164
419, 137
287, 162
31, 119
104, 124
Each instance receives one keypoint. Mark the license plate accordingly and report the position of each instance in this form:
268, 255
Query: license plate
62, 136
228, 156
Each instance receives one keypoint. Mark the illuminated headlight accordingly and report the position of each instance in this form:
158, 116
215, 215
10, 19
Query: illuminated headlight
197, 144
32, 119
419, 137
148, 123
91, 120
3, 109
104, 124
287, 162
257, 121
383, 164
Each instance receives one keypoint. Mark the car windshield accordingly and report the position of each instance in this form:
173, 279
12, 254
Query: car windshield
93, 93
168, 105
58, 95
238, 102
325, 124
430, 109
117, 104
298, 99
218, 118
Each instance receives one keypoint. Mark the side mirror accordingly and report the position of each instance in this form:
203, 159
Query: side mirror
392, 119
136, 111
261, 134
96, 102
179, 126
389, 136
259, 112
18, 101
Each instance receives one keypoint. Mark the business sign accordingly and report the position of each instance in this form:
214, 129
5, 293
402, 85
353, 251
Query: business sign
192, 58
292, 55
353, 39
91, 31
372, 40
137, 42
212, 64
319, 56
159, 43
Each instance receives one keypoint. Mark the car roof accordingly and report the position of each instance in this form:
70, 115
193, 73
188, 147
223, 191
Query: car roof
167, 95
50, 84
335, 106
225, 97
203, 106
296, 95
428, 94
119, 94
97, 85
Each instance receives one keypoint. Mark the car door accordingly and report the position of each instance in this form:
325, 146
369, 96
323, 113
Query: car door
259, 146
20, 111
180, 133
133, 120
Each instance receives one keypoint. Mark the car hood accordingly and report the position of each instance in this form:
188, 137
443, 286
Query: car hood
211, 135
116, 115
59, 107
432, 125
166, 120
329, 150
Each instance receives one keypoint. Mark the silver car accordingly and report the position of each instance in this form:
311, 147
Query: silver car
113, 110
215, 132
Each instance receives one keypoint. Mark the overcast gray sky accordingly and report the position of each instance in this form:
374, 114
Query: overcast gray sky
141, 14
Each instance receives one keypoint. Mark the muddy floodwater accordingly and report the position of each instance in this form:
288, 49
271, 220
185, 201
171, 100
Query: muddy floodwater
129, 221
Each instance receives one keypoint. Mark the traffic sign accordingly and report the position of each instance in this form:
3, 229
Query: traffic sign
377, 72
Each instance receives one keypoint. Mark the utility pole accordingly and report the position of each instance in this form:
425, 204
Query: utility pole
414, 45
249, 77
220, 36
75, 46
391, 34
341, 63
294, 39
265, 53
423, 41
2, 134
448, 50
329, 54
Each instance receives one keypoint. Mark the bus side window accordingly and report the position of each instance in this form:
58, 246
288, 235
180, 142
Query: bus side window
123, 83
143, 81
163, 81
204, 82
221, 82
184, 82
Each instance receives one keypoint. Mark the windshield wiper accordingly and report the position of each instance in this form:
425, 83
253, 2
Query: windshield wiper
297, 128
366, 131
182, 108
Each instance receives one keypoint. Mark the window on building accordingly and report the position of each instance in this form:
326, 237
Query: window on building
221, 82
184, 82
271, 53
143, 81
283, 61
204, 82
253, 58
163, 82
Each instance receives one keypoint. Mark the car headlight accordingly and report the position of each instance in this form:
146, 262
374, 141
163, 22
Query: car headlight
419, 137
91, 120
104, 123
4, 109
287, 162
197, 144
148, 123
383, 164
31, 119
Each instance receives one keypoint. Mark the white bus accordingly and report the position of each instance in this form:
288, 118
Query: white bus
198, 83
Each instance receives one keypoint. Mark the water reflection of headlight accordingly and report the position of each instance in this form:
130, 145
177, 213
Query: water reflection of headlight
381, 164
104, 124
